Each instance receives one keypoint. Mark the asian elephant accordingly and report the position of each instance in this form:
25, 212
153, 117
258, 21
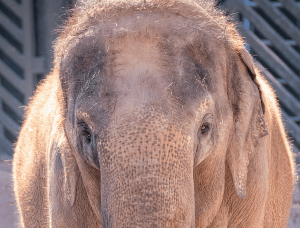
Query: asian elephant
154, 115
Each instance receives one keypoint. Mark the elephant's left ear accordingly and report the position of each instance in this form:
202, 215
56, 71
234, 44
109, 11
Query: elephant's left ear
249, 121
249, 64
260, 127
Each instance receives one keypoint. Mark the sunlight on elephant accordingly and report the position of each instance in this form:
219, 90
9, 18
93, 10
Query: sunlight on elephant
153, 116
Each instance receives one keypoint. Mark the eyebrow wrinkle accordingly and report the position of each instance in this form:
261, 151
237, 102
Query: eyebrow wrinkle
203, 76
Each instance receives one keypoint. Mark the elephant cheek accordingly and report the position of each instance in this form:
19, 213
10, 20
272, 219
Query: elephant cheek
146, 183
198, 159
201, 153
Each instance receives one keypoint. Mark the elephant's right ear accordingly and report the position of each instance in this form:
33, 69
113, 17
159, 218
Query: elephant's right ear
71, 175
249, 122
63, 163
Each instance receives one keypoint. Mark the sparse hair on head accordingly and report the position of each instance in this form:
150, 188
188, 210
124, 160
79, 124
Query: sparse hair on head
90, 13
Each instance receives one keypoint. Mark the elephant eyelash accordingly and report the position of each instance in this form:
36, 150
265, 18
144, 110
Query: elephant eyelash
205, 128
87, 136
85, 131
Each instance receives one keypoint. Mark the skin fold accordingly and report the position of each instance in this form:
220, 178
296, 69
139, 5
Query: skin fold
154, 115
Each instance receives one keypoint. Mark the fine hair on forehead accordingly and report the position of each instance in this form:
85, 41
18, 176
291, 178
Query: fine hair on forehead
202, 14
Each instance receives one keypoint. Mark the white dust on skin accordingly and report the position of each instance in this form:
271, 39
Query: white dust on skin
135, 159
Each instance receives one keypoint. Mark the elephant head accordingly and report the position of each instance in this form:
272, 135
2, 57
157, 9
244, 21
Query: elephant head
156, 103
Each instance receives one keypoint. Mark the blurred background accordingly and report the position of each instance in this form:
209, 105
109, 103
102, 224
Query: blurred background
27, 30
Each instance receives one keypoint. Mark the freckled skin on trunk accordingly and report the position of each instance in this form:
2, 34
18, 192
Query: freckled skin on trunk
147, 170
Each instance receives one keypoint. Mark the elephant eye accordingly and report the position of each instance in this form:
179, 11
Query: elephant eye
86, 132
87, 136
205, 128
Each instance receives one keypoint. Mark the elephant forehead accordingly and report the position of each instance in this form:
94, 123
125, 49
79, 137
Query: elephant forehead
138, 70
132, 60
152, 38
152, 64
148, 64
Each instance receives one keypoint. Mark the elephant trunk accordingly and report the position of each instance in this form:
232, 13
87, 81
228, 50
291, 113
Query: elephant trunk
147, 177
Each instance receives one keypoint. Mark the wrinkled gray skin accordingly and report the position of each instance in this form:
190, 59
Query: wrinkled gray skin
152, 127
